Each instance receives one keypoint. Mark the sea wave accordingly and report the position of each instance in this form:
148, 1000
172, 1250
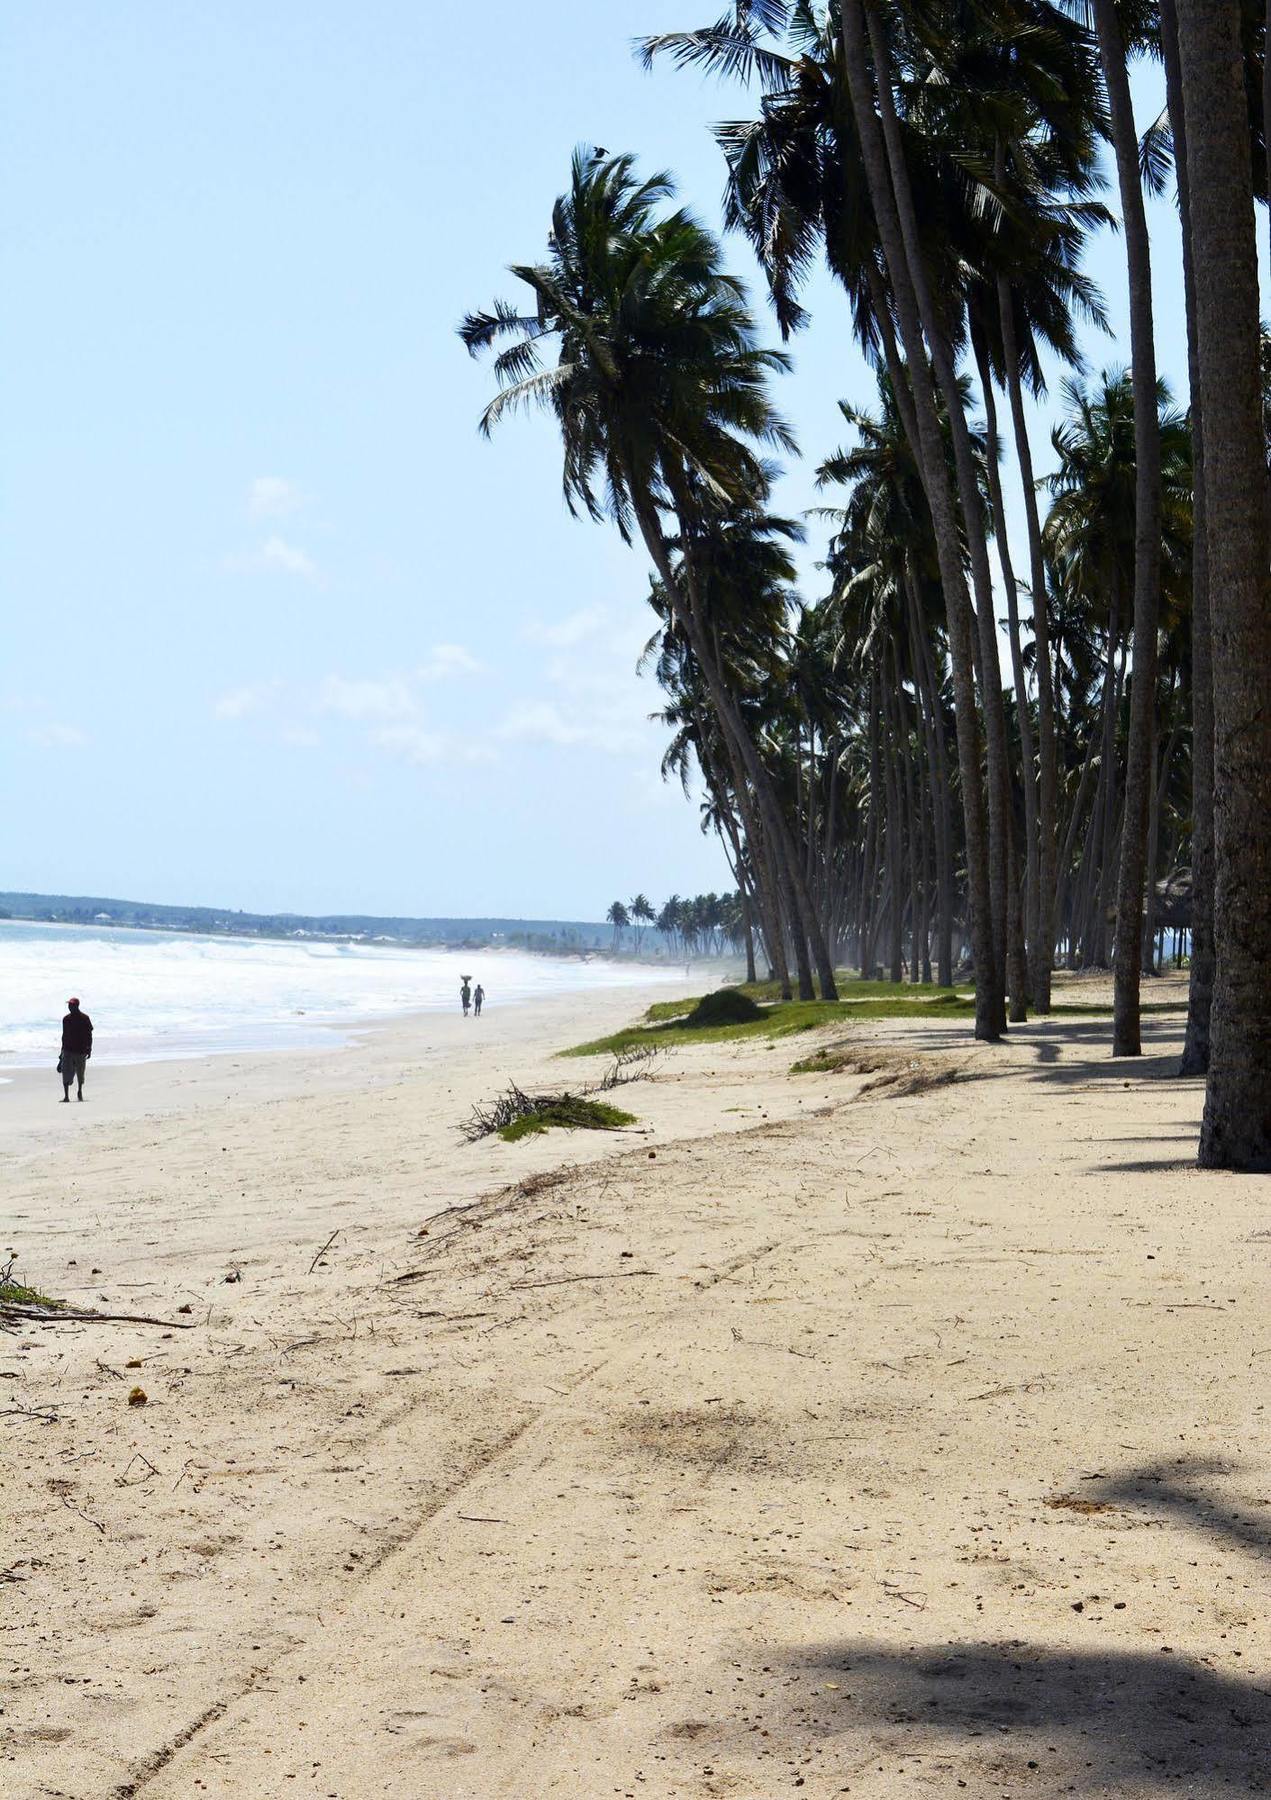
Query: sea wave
156, 994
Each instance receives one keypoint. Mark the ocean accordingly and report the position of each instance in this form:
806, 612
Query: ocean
155, 994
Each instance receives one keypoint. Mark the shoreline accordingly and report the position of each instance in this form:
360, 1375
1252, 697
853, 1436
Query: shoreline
313, 1031
802, 1435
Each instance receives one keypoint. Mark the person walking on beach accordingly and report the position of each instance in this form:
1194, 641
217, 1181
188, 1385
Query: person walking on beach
465, 996
477, 999
77, 1047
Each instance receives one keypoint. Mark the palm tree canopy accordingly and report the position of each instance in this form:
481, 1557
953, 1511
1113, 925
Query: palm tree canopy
641, 345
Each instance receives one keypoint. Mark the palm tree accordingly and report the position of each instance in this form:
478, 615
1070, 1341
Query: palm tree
1200, 985
642, 914
1091, 533
1113, 48
619, 918
824, 200
1236, 1131
659, 388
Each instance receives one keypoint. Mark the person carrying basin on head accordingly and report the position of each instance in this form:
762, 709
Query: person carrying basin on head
465, 996
478, 1000
77, 1047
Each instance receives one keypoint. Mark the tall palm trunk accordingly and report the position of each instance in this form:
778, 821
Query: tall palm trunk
1200, 986
805, 928
766, 887
938, 767
997, 757
1042, 946
1126, 1024
930, 455
1236, 1131
1031, 922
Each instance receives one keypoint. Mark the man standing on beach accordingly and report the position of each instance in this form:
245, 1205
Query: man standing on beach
77, 1047
477, 1000
465, 996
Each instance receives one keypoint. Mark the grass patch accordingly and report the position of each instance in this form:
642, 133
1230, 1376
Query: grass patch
773, 1021
16, 1293
672, 1022
568, 1113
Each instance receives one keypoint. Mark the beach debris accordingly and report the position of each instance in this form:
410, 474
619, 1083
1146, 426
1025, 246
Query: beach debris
137, 1396
148, 1471
234, 1275
636, 1063
514, 1114
321, 1253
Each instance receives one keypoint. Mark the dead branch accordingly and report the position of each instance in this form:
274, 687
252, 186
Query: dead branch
318, 1258
66, 1315
608, 1275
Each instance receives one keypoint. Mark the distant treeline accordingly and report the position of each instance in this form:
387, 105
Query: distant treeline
546, 935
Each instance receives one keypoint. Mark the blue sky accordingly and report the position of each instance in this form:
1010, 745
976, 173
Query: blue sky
283, 630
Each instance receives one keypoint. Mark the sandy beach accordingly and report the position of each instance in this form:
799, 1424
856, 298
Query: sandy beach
836, 1434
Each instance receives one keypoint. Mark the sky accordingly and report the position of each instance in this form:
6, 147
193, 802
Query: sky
283, 631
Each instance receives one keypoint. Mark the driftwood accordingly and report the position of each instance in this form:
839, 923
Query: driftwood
12, 1311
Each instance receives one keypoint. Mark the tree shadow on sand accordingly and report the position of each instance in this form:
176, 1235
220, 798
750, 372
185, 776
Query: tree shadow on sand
1053, 1721
1182, 1490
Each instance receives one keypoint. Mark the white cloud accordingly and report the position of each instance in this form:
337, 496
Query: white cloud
56, 736
574, 629
416, 745
299, 737
275, 557
388, 699
411, 742
445, 660
543, 722
394, 696
239, 701
274, 497
279, 554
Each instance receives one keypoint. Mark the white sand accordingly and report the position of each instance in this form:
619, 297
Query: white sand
886, 1443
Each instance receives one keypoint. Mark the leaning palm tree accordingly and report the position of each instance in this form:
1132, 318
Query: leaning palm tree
619, 918
642, 915
660, 390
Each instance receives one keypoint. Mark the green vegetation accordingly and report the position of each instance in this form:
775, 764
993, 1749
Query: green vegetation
568, 1113
669, 1022
17, 1293
726, 1006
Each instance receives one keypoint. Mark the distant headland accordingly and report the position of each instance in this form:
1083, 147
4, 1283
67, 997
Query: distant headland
562, 937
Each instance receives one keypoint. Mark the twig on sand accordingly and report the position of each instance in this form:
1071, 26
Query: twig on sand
139, 1480
318, 1258
476, 1519
45, 1416
95, 1523
764, 1344
609, 1275
919, 1602
65, 1315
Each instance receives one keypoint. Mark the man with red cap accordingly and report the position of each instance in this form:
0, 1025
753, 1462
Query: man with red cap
77, 1047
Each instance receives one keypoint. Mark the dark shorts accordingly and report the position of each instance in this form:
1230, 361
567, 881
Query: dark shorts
73, 1067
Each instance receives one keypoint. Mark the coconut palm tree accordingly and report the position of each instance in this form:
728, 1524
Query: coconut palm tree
860, 222
642, 914
1236, 1131
619, 918
659, 388
1092, 535
1117, 26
